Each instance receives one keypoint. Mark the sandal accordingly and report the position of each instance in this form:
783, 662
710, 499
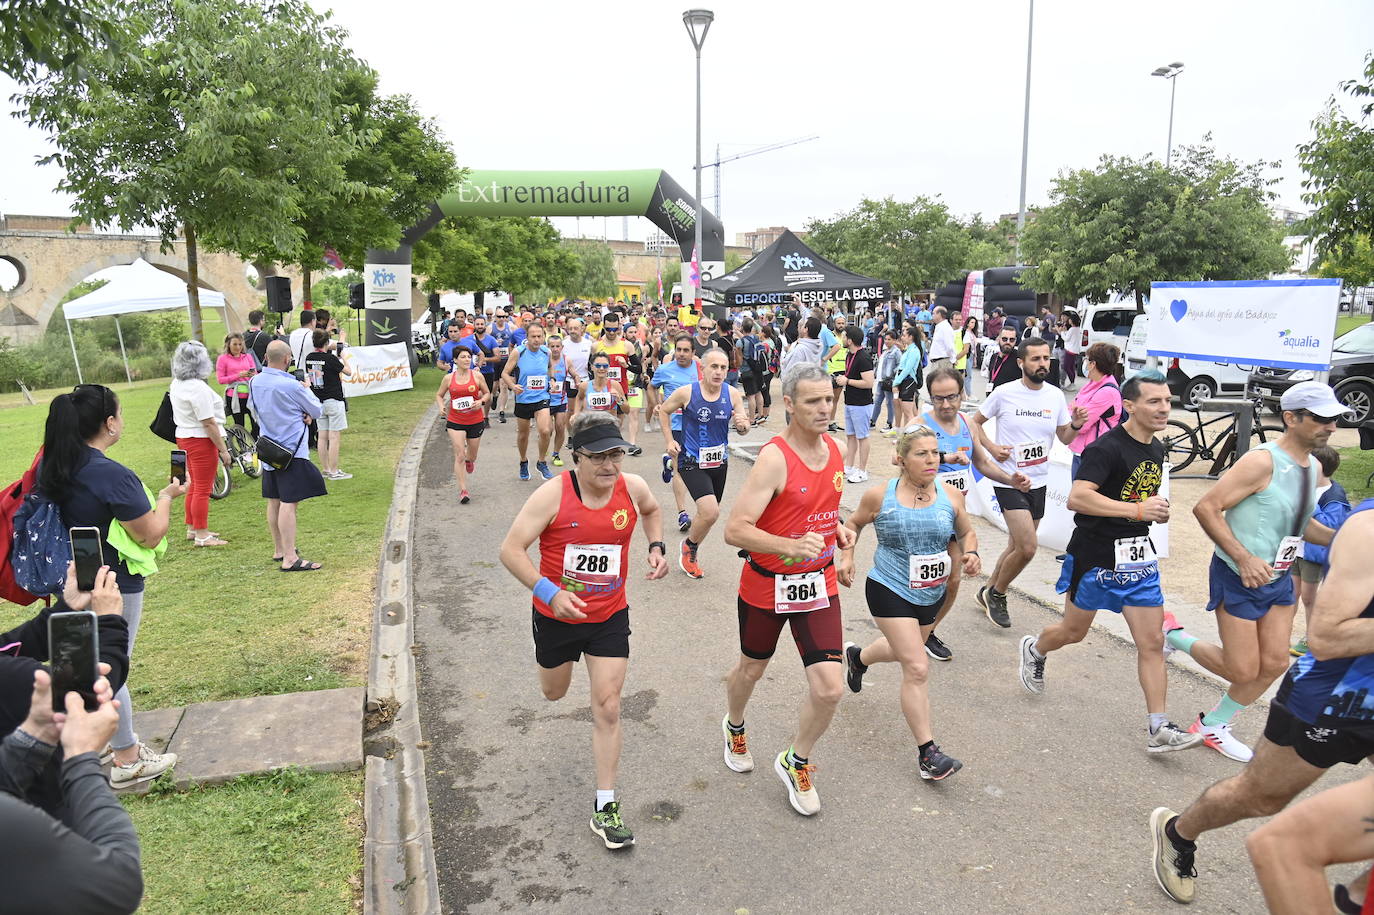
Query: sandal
302, 565
212, 540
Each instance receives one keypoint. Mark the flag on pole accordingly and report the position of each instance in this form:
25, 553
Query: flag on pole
696, 270
660, 285
331, 257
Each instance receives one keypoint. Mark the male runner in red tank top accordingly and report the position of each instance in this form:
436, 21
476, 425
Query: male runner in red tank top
787, 516
584, 519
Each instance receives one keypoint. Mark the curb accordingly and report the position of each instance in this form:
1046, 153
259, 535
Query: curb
399, 874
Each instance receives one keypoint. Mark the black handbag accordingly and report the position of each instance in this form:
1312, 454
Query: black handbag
163, 425
272, 452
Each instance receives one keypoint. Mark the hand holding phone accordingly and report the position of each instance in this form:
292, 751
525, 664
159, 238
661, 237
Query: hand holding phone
179, 465
87, 554
74, 650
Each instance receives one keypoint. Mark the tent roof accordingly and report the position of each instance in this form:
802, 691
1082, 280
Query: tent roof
139, 287
787, 266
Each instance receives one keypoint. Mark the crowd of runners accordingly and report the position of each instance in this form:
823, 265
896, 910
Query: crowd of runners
592, 384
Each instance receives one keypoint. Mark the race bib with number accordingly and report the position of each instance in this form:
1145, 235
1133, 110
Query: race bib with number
800, 593
928, 571
1289, 548
711, 457
502, 351
1134, 554
591, 563
556, 388
961, 480
536, 382
1028, 454
599, 400
463, 404
613, 373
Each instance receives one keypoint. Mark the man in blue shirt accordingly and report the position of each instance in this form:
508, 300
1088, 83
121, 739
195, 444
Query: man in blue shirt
285, 409
679, 371
445, 358
483, 346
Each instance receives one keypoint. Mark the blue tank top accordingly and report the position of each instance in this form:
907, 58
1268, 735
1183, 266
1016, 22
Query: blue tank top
952, 443
1338, 693
532, 365
905, 532
558, 383
706, 425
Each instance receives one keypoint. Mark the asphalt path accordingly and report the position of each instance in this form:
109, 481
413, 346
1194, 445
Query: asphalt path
1048, 814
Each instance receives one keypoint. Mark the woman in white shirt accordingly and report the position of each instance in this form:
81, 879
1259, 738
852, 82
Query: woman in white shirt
199, 415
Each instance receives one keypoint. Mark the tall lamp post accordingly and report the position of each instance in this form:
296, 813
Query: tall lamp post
1025, 134
698, 23
1170, 73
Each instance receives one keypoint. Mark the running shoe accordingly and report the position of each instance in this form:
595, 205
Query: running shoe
832, 428
994, 605
800, 791
1171, 737
607, 824
557, 459
464, 498
1173, 865
684, 522
1220, 738
935, 765
543, 468
501, 415
524, 470
470, 466
1299, 648
1032, 668
1171, 624
687, 560
634, 451
854, 476
737, 755
938, 649
854, 669
668, 469
341, 475
148, 766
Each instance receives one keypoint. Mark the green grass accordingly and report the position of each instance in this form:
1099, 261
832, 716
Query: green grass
1348, 322
289, 842
1356, 466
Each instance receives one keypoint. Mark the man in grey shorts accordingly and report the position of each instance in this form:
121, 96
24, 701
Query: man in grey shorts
325, 371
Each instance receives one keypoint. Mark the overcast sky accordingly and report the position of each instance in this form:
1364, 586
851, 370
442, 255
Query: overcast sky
908, 99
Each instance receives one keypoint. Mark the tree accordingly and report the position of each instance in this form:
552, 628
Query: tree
517, 254
217, 127
913, 245
1339, 162
38, 35
594, 274
1129, 222
991, 243
1353, 263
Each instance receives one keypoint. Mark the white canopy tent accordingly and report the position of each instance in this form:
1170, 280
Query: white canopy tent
135, 288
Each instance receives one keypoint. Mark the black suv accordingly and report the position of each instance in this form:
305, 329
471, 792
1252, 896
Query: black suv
1352, 376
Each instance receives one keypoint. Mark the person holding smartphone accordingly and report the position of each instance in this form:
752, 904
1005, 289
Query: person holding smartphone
93, 490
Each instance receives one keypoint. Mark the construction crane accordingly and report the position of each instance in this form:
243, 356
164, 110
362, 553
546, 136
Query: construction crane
752, 152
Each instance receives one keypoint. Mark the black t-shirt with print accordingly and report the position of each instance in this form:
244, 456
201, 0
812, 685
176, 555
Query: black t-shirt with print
323, 371
1125, 470
855, 365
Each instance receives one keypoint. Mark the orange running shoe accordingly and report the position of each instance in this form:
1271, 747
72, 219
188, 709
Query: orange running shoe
687, 559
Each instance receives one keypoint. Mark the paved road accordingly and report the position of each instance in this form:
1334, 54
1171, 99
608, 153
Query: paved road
1049, 813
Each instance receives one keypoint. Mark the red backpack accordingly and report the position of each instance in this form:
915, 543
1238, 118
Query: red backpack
11, 498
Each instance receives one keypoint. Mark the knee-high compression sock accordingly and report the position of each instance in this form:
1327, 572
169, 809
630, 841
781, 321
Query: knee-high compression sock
1226, 710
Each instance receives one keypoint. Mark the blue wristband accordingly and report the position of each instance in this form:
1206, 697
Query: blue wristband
545, 590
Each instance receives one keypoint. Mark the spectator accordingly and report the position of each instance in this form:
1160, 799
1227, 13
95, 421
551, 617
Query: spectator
942, 340
887, 370
1032, 328
968, 357
233, 369
325, 371
1073, 346
93, 491
907, 381
857, 382
256, 339
300, 339
926, 319
199, 416
807, 347
1101, 397
995, 323
1003, 367
285, 407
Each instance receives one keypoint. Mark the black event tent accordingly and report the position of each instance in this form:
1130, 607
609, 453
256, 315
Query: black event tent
789, 266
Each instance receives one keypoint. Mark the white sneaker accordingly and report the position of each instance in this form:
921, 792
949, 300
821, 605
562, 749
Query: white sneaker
341, 475
1220, 738
854, 476
148, 766
737, 755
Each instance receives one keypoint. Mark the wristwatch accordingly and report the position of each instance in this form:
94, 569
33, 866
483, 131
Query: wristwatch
661, 546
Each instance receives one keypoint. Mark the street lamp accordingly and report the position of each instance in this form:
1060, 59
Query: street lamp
1025, 133
698, 23
1170, 73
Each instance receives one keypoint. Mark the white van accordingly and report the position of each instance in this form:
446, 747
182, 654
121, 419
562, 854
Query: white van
1108, 323
1191, 380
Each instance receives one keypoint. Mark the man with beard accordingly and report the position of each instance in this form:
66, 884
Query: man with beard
1029, 415
1003, 367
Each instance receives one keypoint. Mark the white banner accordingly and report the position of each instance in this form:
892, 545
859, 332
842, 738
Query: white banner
386, 288
1287, 324
1057, 525
377, 369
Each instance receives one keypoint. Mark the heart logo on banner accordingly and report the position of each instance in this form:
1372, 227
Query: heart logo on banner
1178, 308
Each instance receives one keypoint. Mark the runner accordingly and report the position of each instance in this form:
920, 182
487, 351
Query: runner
463, 394
1322, 714
1111, 563
786, 522
600, 393
1258, 514
701, 446
527, 375
444, 359
562, 377
917, 518
584, 521
681, 369
619, 352
577, 347
1029, 414
960, 454
503, 332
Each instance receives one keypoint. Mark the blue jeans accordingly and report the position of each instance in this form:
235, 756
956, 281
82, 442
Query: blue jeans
885, 393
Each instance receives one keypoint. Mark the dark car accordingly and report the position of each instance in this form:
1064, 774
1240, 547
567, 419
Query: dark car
1352, 376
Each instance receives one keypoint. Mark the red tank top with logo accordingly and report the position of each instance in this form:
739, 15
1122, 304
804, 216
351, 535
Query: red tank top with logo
465, 400
810, 502
587, 551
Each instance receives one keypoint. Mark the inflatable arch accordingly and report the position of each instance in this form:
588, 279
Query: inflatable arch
650, 193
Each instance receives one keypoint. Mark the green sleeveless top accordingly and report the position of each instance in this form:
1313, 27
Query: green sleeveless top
1262, 520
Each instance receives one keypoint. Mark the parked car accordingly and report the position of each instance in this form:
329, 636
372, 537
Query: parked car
1190, 380
1352, 376
1108, 323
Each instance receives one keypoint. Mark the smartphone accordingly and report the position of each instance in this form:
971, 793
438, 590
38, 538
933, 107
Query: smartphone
74, 648
88, 554
179, 466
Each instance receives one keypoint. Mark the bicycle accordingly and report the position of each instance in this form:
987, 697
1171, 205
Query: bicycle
1183, 443
243, 453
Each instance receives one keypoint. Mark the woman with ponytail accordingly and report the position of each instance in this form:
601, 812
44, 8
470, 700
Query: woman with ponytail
94, 491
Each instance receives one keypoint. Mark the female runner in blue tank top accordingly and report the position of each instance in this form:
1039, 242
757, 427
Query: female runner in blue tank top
915, 517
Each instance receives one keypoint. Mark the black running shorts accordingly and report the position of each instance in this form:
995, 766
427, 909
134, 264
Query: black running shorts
1320, 747
529, 410
701, 482
1014, 499
556, 642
